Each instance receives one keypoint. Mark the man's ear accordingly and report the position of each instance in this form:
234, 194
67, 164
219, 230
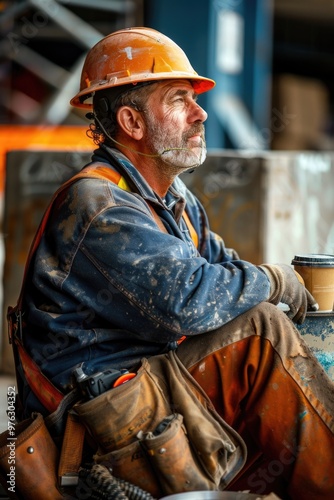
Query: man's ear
131, 122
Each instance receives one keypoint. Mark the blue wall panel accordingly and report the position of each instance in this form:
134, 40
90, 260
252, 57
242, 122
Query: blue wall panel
239, 106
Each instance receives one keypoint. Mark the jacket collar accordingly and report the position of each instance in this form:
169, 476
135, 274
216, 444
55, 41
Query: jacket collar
139, 184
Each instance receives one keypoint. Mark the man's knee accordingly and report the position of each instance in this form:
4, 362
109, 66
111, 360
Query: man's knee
240, 327
263, 320
265, 308
270, 321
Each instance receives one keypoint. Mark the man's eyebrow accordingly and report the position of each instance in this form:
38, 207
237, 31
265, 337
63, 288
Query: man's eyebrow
183, 92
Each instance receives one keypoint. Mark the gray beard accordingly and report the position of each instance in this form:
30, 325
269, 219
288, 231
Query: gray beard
177, 159
182, 161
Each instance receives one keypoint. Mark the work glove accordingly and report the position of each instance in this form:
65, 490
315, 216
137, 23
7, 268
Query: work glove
287, 286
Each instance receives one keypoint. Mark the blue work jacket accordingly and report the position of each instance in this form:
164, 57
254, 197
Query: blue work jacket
108, 286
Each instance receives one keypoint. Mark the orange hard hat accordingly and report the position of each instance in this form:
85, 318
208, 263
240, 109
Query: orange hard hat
134, 55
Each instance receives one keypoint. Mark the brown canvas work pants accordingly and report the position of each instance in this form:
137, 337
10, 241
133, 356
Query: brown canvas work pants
266, 384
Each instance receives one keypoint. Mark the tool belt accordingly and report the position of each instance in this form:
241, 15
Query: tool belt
158, 431
161, 432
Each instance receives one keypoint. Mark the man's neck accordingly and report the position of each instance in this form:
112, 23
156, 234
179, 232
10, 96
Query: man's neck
152, 169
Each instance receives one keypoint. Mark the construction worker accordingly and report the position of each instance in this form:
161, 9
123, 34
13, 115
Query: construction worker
127, 268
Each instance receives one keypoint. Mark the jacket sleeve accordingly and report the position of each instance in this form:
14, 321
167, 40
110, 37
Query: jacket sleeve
159, 290
104, 261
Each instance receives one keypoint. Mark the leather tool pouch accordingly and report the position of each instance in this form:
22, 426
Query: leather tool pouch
169, 451
28, 461
125, 422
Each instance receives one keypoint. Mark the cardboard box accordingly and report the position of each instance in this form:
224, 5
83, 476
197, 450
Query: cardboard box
302, 105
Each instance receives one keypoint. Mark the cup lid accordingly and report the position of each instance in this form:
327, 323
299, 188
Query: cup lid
313, 259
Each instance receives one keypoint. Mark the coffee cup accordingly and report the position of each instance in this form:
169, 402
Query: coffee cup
317, 271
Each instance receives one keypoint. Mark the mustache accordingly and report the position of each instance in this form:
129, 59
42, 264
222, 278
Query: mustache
195, 129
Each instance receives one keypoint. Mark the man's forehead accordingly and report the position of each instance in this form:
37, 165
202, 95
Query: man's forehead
175, 86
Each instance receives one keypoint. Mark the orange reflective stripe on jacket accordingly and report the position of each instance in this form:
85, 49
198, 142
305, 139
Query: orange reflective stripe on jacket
116, 178
193, 234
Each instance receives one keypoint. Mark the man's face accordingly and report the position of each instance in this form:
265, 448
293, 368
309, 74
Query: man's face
174, 123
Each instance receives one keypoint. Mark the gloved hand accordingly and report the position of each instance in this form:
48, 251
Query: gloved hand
287, 288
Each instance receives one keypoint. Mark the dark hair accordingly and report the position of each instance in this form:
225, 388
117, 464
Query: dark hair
107, 102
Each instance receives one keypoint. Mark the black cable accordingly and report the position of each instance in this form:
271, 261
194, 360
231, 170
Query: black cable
100, 484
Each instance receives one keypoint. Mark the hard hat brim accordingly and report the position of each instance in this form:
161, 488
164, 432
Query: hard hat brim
200, 85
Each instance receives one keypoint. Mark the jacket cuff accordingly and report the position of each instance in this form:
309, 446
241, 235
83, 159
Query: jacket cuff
276, 280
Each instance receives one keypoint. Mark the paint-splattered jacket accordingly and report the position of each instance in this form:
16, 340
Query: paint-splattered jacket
108, 286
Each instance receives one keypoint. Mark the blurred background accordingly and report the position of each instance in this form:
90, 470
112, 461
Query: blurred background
267, 183
272, 60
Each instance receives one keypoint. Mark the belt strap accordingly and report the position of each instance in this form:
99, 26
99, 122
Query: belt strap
44, 390
71, 451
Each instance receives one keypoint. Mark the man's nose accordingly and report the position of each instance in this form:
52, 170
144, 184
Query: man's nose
198, 113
